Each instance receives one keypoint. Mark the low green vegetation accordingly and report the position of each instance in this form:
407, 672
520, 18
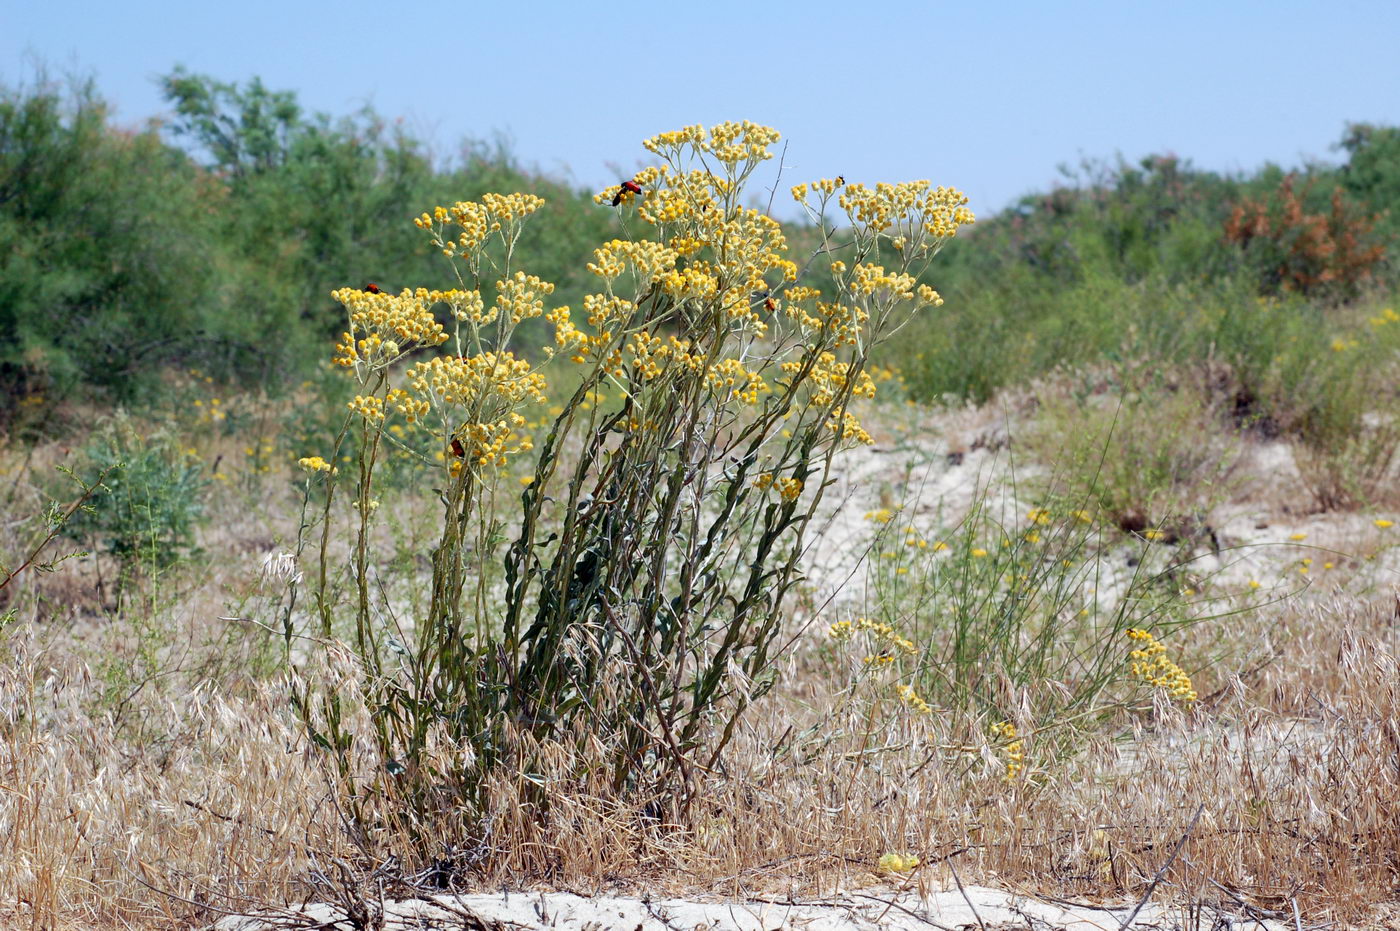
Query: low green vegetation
126, 252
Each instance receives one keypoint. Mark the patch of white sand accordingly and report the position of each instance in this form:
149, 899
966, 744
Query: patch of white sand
980, 907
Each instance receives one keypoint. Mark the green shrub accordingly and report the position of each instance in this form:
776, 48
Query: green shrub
103, 247
1154, 453
149, 500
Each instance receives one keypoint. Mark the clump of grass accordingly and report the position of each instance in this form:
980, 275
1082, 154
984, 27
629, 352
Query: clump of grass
146, 503
1006, 619
1153, 456
1345, 414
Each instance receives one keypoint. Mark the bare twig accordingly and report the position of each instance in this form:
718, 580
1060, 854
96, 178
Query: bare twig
1152, 886
980, 923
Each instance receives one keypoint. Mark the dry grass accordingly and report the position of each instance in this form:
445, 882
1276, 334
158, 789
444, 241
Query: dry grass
152, 774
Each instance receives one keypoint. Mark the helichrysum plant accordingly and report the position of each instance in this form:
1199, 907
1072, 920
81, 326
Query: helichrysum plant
1148, 663
646, 557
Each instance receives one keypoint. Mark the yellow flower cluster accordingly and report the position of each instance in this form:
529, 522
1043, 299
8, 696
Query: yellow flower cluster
413, 409
696, 281
649, 260
508, 208
315, 464
828, 377
490, 443
897, 863
729, 142
743, 384
882, 634
456, 380
468, 305
789, 489
880, 516
602, 309
650, 356
477, 220
383, 326
912, 699
848, 428
825, 187
1013, 750
1149, 663
869, 279
521, 297
842, 321
1385, 317
368, 407
935, 212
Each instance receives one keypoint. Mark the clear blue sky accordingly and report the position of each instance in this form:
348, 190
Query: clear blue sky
986, 96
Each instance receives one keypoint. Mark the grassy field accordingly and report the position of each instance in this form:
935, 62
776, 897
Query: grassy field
155, 774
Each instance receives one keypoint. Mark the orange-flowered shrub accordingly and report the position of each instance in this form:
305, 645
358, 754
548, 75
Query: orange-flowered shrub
1295, 250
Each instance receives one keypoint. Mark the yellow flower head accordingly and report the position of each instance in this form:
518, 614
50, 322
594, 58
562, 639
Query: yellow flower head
897, 863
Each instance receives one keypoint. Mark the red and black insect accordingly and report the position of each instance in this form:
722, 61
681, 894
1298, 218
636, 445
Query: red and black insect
457, 449
632, 186
373, 288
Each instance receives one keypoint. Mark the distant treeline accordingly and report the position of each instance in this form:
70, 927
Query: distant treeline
215, 239
1161, 262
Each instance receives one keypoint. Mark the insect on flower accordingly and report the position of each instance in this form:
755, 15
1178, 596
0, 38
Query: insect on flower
457, 449
632, 186
373, 288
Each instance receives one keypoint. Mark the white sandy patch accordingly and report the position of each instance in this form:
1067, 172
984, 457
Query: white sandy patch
979, 907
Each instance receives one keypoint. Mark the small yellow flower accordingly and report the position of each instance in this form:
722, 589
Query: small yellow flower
1148, 662
1014, 750
1298, 537
1382, 523
979, 552
897, 863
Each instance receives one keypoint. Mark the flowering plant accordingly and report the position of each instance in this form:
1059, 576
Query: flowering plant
656, 540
